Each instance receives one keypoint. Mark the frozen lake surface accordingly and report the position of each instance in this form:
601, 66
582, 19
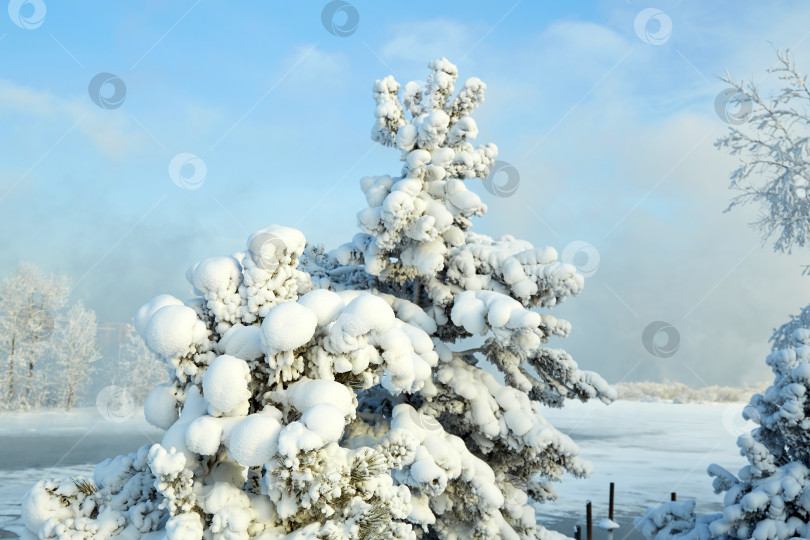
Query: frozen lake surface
648, 449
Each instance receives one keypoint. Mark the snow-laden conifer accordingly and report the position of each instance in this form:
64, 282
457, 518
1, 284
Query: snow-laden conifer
335, 394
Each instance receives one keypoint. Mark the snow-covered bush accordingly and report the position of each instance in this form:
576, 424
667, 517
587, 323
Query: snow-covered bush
320, 394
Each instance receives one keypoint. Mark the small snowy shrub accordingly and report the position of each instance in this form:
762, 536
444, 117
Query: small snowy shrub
320, 394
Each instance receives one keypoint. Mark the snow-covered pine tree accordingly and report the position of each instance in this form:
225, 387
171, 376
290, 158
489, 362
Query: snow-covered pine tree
782, 337
322, 394
769, 498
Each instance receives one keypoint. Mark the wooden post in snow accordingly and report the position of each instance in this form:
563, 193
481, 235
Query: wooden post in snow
673, 497
608, 525
589, 520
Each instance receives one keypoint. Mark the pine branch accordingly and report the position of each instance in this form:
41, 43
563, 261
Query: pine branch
368, 464
373, 522
85, 486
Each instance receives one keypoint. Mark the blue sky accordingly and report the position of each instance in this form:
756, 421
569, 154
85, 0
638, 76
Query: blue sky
613, 138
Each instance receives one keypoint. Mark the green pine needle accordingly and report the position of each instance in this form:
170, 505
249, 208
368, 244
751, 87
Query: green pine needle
85, 486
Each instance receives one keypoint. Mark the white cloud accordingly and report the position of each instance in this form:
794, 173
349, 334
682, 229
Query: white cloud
18, 99
422, 41
111, 132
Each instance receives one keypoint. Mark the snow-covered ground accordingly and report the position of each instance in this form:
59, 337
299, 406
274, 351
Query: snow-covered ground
647, 449
55, 443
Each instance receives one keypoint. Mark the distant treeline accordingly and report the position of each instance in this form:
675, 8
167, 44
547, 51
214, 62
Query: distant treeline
680, 393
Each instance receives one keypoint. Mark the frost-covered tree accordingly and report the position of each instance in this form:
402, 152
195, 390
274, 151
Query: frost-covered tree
770, 497
30, 301
774, 172
774, 152
139, 370
74, 351
319, 394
